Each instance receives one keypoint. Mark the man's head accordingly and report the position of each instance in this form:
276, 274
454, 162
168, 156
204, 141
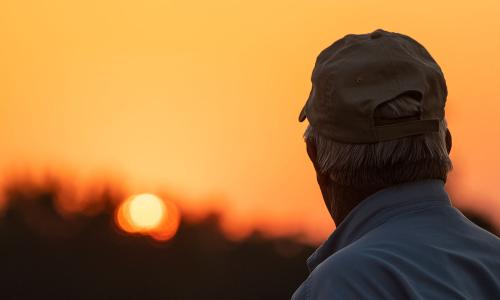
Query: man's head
376, 114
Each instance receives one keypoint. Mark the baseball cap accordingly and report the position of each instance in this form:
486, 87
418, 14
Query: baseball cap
359, 72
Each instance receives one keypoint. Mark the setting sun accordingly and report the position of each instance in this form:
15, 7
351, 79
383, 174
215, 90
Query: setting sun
146, 211
148, 214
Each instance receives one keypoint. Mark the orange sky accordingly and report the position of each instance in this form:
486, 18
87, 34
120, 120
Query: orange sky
202, 97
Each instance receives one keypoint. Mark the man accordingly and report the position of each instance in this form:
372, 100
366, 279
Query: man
379, 143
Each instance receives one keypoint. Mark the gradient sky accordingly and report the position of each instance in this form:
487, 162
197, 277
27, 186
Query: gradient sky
202, 97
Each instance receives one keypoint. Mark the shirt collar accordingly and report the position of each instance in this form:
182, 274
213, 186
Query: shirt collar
378, 208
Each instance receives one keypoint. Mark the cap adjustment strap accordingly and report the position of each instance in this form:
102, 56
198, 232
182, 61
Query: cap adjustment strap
399, 130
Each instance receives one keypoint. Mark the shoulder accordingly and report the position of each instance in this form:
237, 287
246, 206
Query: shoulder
340, 276
355, 274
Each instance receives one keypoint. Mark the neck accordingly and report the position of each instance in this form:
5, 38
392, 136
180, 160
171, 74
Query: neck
341, 199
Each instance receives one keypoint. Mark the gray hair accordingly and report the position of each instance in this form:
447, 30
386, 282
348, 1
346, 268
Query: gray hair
385, 163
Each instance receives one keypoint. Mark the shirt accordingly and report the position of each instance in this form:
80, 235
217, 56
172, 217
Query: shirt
405, 242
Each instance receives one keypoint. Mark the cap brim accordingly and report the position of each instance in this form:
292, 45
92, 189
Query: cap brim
302, 115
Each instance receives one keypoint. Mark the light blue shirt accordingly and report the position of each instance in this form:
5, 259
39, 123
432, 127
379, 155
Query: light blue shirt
405, 242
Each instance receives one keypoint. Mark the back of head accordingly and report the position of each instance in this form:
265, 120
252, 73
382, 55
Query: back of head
377, 117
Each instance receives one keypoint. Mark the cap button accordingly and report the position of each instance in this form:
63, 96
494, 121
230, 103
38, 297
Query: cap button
376, 34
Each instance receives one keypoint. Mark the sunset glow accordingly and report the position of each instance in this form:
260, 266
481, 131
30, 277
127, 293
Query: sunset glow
148, 214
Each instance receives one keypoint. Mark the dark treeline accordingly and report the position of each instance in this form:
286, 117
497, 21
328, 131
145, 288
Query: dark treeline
46, 255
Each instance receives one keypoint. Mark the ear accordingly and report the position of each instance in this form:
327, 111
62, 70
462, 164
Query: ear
448, 140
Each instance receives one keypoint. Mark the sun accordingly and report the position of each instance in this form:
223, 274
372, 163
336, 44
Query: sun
148, 214
146, 211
